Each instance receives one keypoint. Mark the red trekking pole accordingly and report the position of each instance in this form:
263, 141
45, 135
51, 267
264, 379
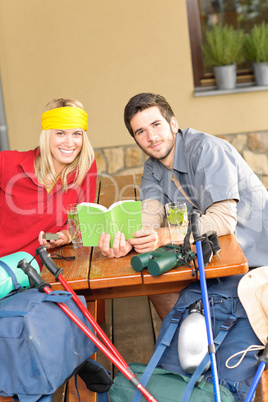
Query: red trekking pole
46, 287
57, 272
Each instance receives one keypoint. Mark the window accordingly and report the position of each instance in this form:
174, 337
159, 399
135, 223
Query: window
204, 13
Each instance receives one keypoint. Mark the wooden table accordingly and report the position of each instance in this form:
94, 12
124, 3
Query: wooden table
99, 278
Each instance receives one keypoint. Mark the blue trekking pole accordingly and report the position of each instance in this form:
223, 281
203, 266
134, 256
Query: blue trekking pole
194, 219
262, 366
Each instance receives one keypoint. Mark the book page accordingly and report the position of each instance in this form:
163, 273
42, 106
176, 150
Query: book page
126, 218
119, 203
92, 204
92, 223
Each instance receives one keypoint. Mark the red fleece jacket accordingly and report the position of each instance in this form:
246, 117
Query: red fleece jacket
27, 207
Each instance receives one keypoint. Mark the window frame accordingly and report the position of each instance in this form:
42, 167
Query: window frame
202, 79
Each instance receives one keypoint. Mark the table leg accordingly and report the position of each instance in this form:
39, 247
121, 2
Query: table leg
101, 311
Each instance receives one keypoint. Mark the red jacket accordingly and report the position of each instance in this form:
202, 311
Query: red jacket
26, 207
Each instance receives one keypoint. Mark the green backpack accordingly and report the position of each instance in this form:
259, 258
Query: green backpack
165, 386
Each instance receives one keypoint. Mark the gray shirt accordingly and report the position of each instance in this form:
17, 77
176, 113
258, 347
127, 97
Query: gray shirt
211, 170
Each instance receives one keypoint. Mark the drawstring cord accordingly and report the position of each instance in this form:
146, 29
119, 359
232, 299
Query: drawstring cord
251, 348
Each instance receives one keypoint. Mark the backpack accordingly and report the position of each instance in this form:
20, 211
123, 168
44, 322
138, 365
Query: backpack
231, 331
40, 347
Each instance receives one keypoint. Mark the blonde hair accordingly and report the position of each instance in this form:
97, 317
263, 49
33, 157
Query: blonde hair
44, 168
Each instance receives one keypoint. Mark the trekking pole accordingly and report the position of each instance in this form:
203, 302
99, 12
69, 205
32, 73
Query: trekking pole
46, 287
211, 348
262, 366
57, 272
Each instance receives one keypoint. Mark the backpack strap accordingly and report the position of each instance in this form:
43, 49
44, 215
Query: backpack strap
58, 296
164, 343
6, 313
224, 329
103, 397
16, 284
179, 187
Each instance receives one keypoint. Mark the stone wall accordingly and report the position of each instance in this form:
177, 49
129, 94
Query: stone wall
254, 149
129, 159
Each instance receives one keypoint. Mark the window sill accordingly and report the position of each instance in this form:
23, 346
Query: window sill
240, 88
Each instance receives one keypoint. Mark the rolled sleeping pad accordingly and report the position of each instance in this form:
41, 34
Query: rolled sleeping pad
11, 261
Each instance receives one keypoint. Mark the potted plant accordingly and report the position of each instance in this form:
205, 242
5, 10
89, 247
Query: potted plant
256, 50
222, 50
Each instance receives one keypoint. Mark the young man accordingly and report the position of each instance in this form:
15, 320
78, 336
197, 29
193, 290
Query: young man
200, 169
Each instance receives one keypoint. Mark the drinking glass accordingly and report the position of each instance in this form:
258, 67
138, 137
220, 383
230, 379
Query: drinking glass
177, 220
74, 226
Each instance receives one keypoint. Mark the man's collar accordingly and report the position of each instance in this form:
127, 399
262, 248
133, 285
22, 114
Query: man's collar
179, 163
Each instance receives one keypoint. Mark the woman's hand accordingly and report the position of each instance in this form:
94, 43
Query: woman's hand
64, 238
121, 247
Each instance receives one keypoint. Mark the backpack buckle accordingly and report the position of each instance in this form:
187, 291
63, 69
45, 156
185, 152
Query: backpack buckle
176, 317
227, 325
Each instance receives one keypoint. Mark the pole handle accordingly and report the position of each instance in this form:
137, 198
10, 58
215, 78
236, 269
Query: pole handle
32, 274
264, 356
194, 219
48, 262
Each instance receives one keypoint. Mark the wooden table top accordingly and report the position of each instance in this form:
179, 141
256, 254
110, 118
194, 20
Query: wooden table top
99, 277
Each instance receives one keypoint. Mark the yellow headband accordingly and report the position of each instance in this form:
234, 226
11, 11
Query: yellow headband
64, 118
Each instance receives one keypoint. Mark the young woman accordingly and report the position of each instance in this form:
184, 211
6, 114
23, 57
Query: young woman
37, 186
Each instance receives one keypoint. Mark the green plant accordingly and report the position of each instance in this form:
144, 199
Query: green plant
223, 46
256, 43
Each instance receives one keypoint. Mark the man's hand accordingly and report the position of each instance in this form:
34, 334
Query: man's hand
64, 238
149, 239
145, 240
121, 247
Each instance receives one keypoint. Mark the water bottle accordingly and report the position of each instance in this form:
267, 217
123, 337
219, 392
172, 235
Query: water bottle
192, 340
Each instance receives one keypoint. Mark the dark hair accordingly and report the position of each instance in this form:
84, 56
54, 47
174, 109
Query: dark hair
143, 101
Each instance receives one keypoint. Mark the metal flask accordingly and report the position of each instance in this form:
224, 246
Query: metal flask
192, 340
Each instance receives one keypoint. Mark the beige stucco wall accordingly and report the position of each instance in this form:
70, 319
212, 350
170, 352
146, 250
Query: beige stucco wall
102, 52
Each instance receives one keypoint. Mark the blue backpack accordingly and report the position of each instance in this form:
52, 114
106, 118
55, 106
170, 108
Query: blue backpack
40, 347
232, 334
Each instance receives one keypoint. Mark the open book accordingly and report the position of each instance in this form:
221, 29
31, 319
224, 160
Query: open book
95, 219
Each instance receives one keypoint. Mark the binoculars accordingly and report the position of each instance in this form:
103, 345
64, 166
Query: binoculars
161, 260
